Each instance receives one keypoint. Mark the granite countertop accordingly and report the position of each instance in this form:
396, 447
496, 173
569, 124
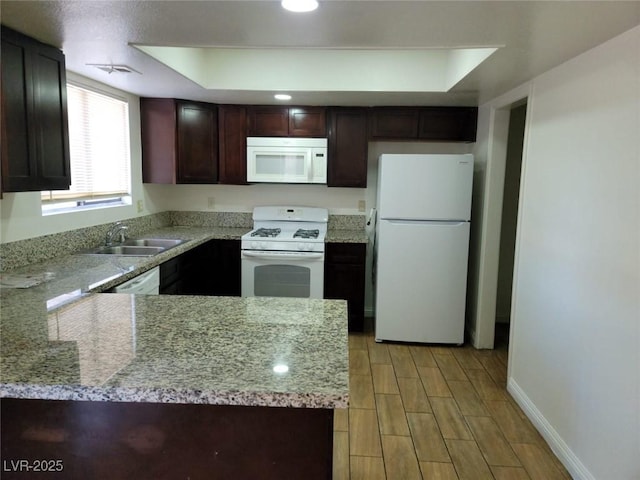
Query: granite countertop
73, 275
347, 236
63, 339
175, 349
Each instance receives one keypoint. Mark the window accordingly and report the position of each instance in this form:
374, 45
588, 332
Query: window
100, 153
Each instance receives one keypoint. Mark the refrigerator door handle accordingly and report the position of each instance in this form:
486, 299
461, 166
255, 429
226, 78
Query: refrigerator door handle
372, 216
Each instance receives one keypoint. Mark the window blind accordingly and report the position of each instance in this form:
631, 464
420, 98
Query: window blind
99, 148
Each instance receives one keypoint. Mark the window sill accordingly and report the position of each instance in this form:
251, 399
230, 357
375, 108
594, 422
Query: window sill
71, 207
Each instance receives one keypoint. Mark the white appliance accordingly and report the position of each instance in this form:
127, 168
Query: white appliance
422, 246
286, 160
283, 256
147, 283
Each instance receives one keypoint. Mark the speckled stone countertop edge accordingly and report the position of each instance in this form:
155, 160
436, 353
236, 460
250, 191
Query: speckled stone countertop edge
142, 395
347, 236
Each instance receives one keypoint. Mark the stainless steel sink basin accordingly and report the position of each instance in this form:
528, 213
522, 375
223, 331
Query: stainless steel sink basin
127, 250
153, 242
141, 247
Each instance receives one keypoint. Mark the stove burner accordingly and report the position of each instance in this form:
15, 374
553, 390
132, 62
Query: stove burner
302, 233
266, 232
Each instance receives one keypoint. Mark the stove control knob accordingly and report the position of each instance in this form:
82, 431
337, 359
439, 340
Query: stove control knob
254, 245
300, 246
263, 245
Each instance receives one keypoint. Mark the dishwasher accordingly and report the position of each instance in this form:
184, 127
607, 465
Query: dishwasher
147, 283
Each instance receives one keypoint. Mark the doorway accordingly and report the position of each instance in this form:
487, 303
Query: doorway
508, 224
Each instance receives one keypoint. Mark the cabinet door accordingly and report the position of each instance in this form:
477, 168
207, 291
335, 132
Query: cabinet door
158, 134
35, 150
307, 122
268, 121
50, 124
170, 277
18, 167
448, 124
212, 268
232, 141
394, 123
197, 143
347, 162
225, 275
344, 278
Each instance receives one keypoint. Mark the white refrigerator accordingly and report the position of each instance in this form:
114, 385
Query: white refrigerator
422, 247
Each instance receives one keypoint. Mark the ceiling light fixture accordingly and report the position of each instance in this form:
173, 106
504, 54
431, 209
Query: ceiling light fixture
299, 5
282, 96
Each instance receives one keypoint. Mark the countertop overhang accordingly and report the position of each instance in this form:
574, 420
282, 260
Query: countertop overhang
181, 349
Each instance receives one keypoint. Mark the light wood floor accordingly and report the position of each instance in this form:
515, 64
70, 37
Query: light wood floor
423, 412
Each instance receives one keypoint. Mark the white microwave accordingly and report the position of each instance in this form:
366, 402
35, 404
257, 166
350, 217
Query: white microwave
286, 160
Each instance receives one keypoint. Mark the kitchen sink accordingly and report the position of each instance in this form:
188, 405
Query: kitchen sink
127, 250
141, 247
153, 242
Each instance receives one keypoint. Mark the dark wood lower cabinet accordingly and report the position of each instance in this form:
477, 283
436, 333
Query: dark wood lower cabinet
212, 268
109, 440
344, 278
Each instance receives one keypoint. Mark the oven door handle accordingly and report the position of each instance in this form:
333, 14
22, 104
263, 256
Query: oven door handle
271, 256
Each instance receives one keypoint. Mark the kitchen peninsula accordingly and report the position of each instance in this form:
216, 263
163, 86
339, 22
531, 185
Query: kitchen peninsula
134, 386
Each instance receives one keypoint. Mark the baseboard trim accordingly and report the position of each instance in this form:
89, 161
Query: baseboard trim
571, 462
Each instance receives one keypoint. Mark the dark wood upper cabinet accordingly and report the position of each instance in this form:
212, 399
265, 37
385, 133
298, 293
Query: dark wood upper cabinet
232, 144
268, 121
158, 119
393, 123
435, 124
193, 142
307, 122
448, 124
348, 146
179, 141
35, 135
197, 143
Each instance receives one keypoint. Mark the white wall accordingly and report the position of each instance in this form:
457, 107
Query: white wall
574, 361
21, 215
242, 198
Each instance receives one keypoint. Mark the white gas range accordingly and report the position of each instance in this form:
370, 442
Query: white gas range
283, 256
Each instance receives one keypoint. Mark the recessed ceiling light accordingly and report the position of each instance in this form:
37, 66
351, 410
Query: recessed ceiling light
282, 96
299, 5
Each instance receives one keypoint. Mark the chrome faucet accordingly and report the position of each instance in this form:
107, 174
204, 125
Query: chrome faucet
117, 228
